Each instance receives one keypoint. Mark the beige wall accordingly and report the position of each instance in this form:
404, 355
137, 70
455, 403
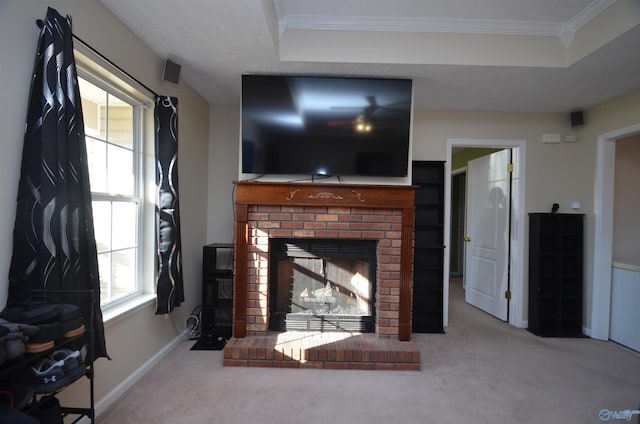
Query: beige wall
134, 340
553, 170
556, 173
223, 170
626, 225
616, 114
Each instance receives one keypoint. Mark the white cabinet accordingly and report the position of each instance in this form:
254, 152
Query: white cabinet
625, 305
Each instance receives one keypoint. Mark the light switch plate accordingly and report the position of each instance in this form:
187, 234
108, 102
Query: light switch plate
550, 138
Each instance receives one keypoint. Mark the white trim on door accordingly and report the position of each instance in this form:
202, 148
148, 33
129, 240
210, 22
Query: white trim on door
517, 307
603, 222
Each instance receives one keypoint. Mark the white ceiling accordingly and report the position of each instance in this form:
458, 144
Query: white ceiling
501, 55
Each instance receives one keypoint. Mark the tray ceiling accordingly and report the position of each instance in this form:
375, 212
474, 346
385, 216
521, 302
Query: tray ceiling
500, 55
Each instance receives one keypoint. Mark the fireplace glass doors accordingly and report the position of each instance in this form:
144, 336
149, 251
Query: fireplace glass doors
322, 285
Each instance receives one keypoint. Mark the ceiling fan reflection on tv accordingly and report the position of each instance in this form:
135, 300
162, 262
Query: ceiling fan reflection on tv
364, 122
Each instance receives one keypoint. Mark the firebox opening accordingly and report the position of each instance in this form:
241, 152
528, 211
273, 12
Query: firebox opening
322, 285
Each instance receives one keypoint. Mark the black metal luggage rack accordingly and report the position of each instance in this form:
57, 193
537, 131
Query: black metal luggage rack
84, 340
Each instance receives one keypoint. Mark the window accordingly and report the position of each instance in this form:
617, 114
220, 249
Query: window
113, 123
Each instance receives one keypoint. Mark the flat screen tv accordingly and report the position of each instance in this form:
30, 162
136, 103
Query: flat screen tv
333, 126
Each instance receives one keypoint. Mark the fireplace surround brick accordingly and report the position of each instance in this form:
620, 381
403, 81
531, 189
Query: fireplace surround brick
266, 222
324, 211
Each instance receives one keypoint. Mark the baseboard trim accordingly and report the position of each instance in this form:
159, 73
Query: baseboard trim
111, 397
586, 331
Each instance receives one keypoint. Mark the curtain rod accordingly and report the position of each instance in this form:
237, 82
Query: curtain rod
40, 24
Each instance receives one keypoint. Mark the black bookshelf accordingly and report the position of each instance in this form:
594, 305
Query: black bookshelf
217, 290
556, 274
428, 257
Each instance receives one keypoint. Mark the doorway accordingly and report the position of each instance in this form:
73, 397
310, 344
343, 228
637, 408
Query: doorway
456, 243
517, 217
603, 237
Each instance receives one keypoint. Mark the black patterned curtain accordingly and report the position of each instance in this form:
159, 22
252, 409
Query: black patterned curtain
53, 241
169, 287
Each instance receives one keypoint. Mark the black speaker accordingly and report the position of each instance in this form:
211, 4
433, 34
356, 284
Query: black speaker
171, 71
576, 118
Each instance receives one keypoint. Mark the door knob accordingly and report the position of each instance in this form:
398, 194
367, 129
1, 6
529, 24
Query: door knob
467, 239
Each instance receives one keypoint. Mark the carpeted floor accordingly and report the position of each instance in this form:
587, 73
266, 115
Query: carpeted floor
481, 371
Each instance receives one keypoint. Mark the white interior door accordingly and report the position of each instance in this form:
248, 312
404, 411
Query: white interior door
487, 233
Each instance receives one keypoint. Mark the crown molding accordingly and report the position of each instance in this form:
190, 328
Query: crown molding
564, 31
402, 24
583, 17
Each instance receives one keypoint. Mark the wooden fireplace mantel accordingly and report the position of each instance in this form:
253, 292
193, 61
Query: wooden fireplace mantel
250, 193
348, 195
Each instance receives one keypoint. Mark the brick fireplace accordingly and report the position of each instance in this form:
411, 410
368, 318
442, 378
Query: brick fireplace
291, 211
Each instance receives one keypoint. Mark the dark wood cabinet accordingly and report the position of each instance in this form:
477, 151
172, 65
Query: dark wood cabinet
217, 290
555, 274
428, 256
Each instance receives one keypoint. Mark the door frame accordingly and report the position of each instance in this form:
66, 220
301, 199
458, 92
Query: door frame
603, 223
517, 305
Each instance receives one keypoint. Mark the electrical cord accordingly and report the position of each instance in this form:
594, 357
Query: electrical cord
193, 322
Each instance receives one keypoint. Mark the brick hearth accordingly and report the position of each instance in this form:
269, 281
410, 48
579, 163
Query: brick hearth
328, 211
322, 350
